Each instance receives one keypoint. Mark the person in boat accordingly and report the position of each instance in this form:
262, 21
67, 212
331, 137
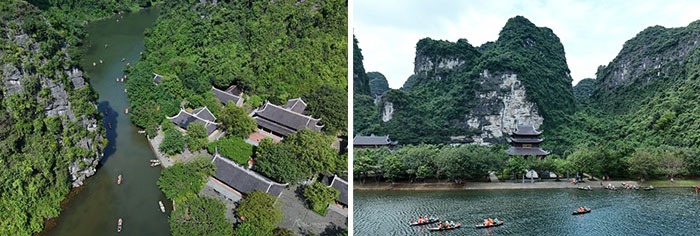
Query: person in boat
420, 221
496, 220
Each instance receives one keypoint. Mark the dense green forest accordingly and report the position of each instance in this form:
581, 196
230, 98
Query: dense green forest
40, 140
273, 50
534, 53
638, 123
377, 83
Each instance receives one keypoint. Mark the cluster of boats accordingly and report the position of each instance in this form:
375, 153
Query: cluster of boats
449, 225
623, 185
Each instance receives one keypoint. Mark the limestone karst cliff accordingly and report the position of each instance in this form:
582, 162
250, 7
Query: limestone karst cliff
464, 94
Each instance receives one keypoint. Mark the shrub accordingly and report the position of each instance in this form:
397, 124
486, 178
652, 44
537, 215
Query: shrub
233, 148
319, 196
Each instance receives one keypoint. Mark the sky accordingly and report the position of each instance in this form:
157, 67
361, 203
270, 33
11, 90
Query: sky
592, 32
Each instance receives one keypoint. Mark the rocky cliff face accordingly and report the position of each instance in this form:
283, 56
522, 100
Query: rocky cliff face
464, 94
500, 110
52, 92
647, 63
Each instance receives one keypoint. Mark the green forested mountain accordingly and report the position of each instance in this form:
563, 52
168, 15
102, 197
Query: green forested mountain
273, 50
643, 103
377, 83
445, 97
360, 80
50, 132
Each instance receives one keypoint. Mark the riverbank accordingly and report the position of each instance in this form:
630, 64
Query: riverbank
444, 186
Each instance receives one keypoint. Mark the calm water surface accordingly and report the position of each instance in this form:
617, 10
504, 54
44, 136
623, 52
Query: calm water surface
531, 212
96, 208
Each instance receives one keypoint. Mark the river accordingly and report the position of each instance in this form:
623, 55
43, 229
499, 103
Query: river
95, 208
531, 212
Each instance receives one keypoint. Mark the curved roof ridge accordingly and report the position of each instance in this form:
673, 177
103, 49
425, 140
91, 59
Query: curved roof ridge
178, 114
250, 172
289, 110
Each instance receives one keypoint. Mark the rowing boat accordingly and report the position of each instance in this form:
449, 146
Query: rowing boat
162, 208
445, 228
119, 179
414, 223
119, 225
487, 226
581, 212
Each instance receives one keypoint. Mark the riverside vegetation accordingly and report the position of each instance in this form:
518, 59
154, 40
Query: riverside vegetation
640, 123
49, 134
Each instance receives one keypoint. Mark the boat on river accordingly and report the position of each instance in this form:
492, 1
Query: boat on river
435, 228
576, 212
482, 225
649, 188
585, 188
162, 208
119, 225
109, 124
155, 163
119, 179
429, 221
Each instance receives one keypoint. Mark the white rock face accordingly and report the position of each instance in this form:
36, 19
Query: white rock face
514, 109
388, 111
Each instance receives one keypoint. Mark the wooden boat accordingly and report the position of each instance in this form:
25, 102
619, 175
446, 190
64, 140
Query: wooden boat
585, 188
155, 163
142, 131
445, 228
119, 225
478, 226
126, 111
94, 64
414, 223
588, 210
119, 179
100, 61
110, 125
649, 188
162, 208
122, 79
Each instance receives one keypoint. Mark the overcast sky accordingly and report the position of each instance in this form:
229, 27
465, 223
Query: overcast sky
592, 31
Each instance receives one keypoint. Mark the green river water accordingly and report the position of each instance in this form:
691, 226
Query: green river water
531, 212
95, 208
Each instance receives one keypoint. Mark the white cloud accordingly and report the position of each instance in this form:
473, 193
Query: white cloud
592, 31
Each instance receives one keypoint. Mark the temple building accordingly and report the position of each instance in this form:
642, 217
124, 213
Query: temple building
200, 115
342, 186
277, 122
525, 142
157, 78
231, 94
233, 180
373, 141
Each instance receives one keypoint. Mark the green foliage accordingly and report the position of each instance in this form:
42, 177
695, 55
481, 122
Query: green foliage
643, 163
233, 148
377, 83
331, 105
298, 157
173, 142
236, 122
360, 80
260, 213
277, 162
35, 150
196, 136
181, 182
283, 232
319, 196
429, 161
271, 49
200, 216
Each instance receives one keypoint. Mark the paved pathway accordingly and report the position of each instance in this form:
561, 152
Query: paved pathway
301, 220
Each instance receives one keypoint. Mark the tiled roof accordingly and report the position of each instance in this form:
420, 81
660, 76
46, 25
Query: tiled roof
242, 179
200, 115
224, 97
372, 140
157, 78
342, 186
527, 130
284, 120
